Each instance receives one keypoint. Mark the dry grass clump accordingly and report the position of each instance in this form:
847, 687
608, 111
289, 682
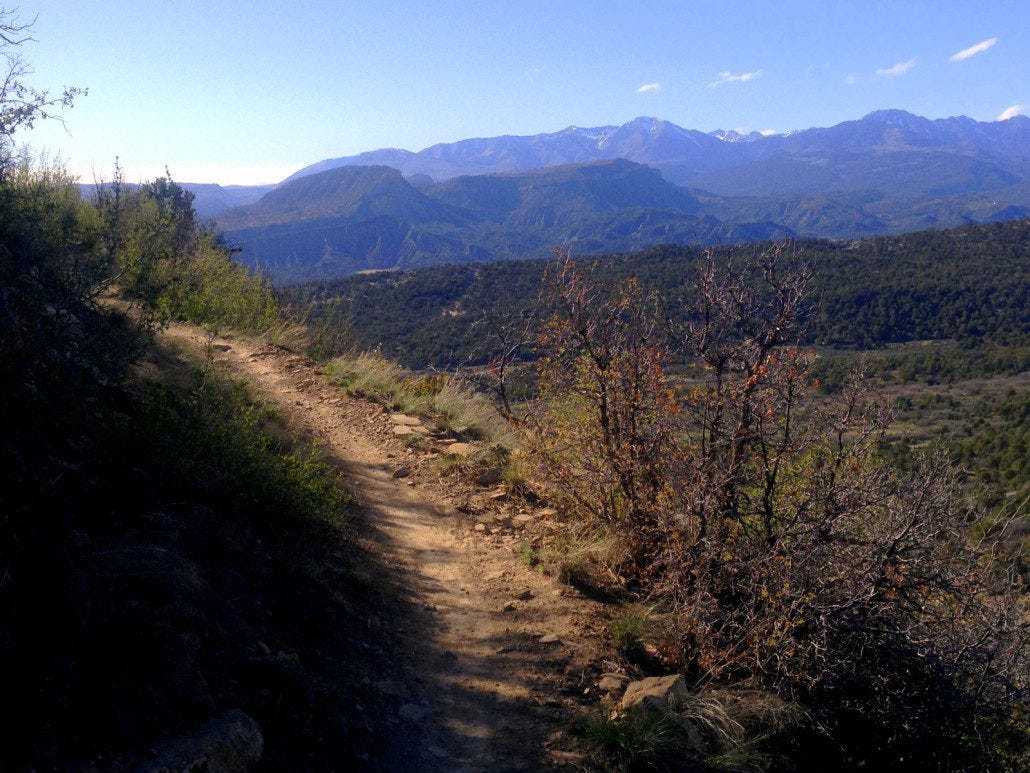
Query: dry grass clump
453, 405
469, 414
578, 554
370, 375
730, 729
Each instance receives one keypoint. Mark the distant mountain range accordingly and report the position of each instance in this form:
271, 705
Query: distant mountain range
358, 218
801, 162
626, 187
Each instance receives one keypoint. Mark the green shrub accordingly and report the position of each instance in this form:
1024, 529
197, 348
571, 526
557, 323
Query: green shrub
630, 628
211, 290
216, 434
528, 554
637, 740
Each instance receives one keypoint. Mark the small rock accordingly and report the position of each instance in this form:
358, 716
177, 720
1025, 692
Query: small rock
404, 420
403, 431
488, 477
402, 472
413, 712
461, 449
493, 576
480, 527
550, 638
392, 688
231, 743
222, 347
611, 682
525, 595
546, 512
511, 606
499, 495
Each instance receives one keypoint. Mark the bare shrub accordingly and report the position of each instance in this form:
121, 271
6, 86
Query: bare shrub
767, 521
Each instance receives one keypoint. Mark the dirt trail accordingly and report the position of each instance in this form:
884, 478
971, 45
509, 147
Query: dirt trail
503, 655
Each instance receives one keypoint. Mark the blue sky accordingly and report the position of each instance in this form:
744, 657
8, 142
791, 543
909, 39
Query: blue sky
245, 92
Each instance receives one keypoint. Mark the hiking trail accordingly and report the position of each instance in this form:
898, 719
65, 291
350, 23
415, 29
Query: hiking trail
503, 657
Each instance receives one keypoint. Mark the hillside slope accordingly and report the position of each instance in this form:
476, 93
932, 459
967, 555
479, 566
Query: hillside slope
358, 218
957, 283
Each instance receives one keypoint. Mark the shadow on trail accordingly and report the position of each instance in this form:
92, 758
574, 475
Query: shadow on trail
453, 710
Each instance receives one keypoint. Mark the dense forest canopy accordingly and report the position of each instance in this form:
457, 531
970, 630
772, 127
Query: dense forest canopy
963, 283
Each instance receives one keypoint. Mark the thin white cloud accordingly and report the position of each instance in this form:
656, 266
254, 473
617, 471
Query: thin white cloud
850, 80
1010, 112
647, 87
898, 69
979, 48
728, 77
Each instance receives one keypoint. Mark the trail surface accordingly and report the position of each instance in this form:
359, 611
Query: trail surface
503, 655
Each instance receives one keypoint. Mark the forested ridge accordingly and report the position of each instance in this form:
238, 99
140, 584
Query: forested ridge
962, 283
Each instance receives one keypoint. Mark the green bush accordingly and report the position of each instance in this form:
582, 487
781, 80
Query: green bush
174, 270
216, 435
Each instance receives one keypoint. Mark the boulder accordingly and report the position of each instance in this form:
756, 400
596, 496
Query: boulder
403, 431
662, 693
461, 449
